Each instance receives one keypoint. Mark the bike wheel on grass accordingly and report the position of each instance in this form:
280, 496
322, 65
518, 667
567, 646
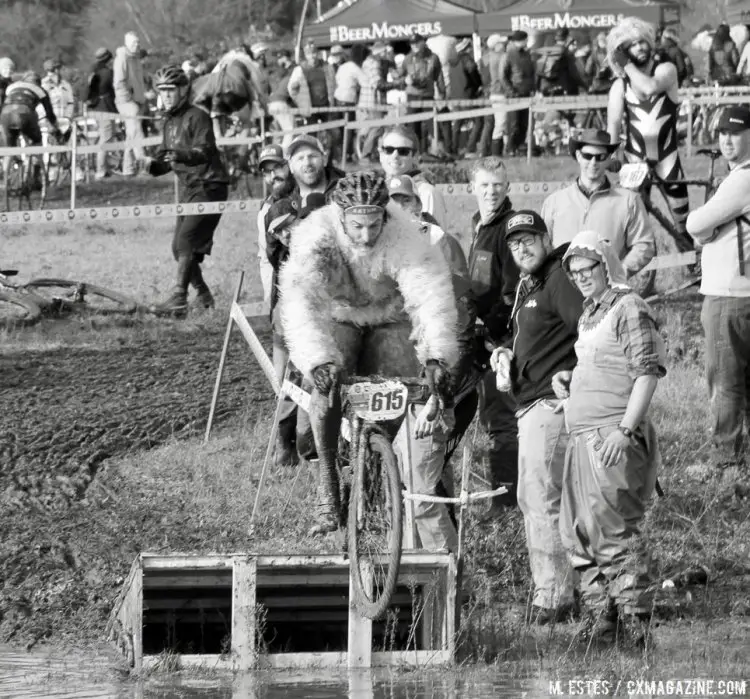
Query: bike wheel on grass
375, 525
83, 296
17, 310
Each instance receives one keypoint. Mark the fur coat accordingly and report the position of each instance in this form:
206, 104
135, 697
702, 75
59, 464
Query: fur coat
326, 281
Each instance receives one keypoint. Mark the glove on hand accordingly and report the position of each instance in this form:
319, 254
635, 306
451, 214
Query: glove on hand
438, 378
325, 376
620, 56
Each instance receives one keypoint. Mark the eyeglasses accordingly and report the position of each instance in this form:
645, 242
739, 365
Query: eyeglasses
517, 243
401, 150
599, 157
583, 273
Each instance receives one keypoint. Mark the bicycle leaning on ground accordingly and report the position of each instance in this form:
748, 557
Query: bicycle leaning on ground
642, 178
25, 304
371, 484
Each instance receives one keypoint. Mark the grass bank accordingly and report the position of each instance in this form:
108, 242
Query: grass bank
62, 566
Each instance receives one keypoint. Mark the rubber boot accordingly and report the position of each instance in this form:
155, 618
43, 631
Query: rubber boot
496, 148
327, 508
204, 298
176, 303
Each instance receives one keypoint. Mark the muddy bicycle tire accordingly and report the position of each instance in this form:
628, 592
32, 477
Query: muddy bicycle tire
124, 305
32, 311
375, 473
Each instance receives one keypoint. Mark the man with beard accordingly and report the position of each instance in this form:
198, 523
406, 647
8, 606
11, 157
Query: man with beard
307, 163
363, 292
645, 93
545, 327
278, 183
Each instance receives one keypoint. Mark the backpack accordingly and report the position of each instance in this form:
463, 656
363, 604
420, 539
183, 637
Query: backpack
548, 65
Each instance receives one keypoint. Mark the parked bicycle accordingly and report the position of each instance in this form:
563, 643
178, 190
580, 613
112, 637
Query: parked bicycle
25, 304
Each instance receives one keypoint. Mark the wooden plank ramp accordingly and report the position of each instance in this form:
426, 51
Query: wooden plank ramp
243, 611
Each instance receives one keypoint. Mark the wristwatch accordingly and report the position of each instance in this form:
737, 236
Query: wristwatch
626, 431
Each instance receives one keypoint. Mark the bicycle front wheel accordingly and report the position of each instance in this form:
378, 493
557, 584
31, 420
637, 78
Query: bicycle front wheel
83, 296
375, 525
16, 310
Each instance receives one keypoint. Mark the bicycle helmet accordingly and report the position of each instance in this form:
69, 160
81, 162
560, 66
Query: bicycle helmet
52, 64
170, 76
257, 50
361, 191
32, 77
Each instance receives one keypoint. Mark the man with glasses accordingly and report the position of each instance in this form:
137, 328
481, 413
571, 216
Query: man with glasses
398, 156
545, 327
592, 203
493, 276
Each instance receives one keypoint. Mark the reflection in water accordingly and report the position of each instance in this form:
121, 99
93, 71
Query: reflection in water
58, 675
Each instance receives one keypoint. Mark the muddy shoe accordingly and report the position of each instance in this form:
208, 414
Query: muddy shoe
285, 455
175, 304
204, 301
543, 616
599, 627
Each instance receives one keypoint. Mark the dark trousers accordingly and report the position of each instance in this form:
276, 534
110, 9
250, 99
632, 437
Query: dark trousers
497, 415
518, 125
726, 322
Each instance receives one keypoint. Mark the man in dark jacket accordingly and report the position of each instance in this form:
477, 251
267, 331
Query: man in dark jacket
545, 328
494, 276
422, 74
556, 69
189, 150
518, 78
101, 103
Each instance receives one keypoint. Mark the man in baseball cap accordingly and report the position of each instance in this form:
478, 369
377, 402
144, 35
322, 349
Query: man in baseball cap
545, 329
722, 226
307, 163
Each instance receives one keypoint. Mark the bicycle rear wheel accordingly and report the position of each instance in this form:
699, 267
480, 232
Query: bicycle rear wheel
83, 296
17, 311
375, 525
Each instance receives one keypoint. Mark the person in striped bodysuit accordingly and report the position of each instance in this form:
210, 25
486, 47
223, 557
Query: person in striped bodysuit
645, 94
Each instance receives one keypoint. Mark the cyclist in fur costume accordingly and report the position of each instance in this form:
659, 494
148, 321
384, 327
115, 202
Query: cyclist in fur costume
362, 287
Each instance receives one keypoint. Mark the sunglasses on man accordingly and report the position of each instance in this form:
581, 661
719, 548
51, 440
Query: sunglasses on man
598, 157
403, 151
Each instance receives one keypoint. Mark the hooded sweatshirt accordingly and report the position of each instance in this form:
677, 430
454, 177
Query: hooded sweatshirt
128, 77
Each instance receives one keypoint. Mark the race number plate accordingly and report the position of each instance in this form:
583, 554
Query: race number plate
633, 174
378, 402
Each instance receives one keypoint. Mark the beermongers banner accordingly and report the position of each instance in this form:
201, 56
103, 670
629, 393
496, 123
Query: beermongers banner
366, 21
592, 15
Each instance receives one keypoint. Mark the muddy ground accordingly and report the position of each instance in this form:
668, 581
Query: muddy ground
67, 411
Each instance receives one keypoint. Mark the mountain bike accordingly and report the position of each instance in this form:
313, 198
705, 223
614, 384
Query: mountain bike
25, 304
641, 177
26, 177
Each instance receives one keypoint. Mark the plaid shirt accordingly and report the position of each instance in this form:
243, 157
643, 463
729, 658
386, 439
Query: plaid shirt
369, 95
635, 328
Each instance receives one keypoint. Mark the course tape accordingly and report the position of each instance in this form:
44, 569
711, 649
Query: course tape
122, 213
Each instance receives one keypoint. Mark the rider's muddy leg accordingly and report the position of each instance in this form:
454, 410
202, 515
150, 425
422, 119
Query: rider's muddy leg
325, 421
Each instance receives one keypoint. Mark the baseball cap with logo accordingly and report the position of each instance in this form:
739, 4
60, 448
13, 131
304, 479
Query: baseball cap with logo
402, 185
525, 221
271, 153
302, 141
735, 119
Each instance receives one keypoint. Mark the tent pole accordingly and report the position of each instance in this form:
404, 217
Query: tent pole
300, 29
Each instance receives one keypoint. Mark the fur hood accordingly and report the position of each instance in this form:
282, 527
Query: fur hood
327, 281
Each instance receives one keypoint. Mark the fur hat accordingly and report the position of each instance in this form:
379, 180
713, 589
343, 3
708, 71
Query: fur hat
626, 31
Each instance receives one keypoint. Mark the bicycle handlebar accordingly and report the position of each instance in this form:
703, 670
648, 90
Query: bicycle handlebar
409, 381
